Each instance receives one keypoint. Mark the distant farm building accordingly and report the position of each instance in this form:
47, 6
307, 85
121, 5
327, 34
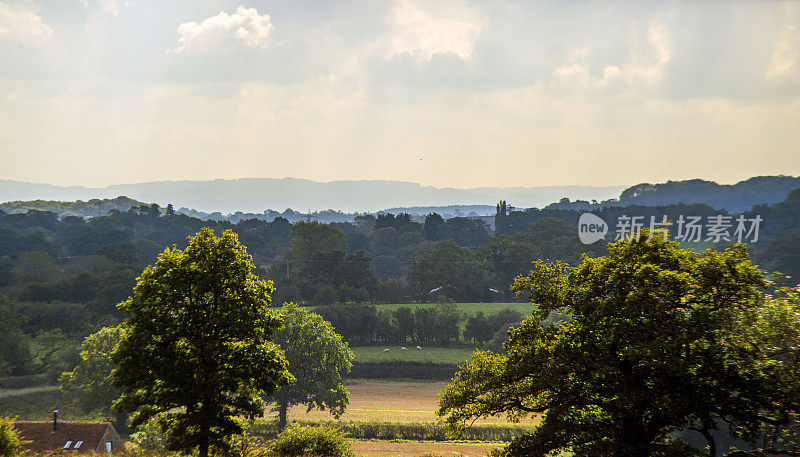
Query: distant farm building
66, 436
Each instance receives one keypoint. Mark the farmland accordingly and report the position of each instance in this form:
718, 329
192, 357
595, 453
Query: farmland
370, 401
468, 308
390, 404
373, 354
402, 449
390, 401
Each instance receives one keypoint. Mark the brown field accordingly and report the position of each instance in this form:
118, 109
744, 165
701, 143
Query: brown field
406, 449
390, 401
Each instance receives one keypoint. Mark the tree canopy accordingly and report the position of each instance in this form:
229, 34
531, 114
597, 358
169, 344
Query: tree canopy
318, 359
197, 345
651, 340
92, 377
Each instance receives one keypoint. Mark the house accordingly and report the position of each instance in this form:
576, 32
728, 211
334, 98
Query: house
68, 436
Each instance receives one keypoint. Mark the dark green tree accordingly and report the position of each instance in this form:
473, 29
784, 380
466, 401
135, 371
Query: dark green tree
92, 377
448, 270
435, 228
309, 238
783, 254
14, 344
405, 322
654, 339
477, 329
197, 344
318, 359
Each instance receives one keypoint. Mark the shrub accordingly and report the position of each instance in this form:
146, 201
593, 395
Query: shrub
325, 296
428, 432
419, 431
304, 440
10, 440
150, 437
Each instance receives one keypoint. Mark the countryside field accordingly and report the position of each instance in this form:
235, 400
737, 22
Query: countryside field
371, 401
372, 354
468, 308
408, 449
392, 401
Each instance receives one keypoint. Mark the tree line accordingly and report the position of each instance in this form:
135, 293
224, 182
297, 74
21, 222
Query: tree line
439, 325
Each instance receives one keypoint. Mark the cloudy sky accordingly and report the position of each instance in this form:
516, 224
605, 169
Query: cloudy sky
445, 93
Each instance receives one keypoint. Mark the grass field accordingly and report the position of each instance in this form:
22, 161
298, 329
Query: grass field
391, 401
27, 390
453, 356
38, 403
469, 308
371, 401
406, 449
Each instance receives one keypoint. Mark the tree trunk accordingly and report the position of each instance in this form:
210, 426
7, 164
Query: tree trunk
283, 409
712, 444
203, 448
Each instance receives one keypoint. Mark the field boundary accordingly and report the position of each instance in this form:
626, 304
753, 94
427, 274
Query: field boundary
413, 431
403, 370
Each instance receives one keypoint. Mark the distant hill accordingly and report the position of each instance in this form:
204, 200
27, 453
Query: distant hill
446, 211
338, 201
91, 208
255, 195
734, 198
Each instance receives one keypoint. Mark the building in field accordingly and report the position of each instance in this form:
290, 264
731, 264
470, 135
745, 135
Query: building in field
70, 437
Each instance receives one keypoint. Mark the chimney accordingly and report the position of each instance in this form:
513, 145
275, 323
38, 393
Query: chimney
55, 421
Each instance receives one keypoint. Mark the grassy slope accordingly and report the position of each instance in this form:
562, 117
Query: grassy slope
427, 354
39, 403
391, 401
468, 308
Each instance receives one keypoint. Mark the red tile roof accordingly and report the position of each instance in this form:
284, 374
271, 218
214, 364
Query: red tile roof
43, 438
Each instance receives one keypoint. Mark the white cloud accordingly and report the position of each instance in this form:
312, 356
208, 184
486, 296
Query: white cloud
244, 28
421, 36
24, 25
787, 53
648, 54
646, 64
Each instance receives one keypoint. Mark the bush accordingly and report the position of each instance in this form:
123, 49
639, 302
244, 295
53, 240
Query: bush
429, 432
416, 431
150, 437
325, 296
10, 440
305, 440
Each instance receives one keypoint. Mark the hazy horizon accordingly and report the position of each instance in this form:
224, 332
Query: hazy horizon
259, 194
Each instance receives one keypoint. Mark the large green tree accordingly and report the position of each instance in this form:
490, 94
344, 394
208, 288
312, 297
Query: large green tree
450, 270
92, 377
653, 340
197, 346
318, 359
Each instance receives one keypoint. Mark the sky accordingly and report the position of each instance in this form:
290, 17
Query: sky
448, 93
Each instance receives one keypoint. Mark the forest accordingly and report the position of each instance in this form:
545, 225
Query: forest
61, 278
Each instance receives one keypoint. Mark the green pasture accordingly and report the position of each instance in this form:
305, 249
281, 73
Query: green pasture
38, 404
450, 356
468, 308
